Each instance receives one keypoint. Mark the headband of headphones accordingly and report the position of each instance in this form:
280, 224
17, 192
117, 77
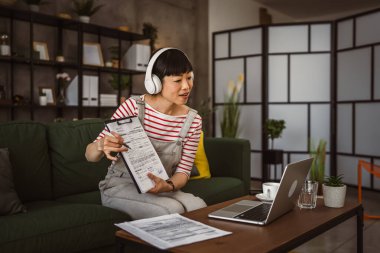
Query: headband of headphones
149, 68
152, 82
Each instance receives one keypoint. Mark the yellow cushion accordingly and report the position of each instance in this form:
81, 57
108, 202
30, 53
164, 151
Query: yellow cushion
201, 162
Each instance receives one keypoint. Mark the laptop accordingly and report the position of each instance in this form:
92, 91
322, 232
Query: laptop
262, 213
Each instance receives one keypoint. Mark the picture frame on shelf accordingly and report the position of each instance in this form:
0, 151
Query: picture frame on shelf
92, 54
42, 49
49, 93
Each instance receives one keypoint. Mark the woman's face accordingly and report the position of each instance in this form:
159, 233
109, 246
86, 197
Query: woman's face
176, 89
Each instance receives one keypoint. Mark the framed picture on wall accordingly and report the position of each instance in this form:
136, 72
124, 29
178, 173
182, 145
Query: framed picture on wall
92, 54
42, 49
49, 93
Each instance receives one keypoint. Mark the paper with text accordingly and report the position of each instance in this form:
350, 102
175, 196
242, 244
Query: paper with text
141, 157
171, 230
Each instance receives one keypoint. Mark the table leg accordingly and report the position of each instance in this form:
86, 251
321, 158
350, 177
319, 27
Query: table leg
359, 232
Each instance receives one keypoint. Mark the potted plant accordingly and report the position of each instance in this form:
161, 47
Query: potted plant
231, 111
273, 129
150, 31
34, 5
317, 170
42, 98
85, 9
114, 81
334, 191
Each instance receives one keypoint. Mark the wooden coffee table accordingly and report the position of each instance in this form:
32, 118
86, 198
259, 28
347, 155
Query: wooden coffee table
286, 233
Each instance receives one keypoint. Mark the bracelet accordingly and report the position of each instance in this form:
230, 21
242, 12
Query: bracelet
171, 183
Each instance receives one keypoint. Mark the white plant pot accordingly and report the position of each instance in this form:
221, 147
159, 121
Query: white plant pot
334, 196
43, 100
34, 7
5, 50
84, 19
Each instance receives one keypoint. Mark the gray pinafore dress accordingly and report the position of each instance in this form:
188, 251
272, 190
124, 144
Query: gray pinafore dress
119, 192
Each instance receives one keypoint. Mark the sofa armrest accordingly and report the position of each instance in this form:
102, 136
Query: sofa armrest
229, 157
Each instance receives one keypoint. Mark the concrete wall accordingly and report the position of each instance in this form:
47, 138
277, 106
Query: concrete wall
336, 16
180, 23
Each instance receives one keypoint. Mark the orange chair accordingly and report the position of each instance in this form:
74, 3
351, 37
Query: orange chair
374, 170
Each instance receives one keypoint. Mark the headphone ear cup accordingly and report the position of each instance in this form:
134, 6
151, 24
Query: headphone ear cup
149, 86
157, 84
192, 75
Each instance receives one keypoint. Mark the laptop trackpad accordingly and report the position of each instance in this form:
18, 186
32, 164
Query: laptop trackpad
236, 208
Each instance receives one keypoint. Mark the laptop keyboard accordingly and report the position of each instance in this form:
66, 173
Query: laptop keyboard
258, 213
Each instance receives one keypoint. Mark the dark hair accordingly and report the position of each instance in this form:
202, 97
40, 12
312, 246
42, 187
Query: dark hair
171, 62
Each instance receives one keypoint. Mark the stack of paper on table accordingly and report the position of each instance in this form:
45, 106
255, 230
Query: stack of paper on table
171, 230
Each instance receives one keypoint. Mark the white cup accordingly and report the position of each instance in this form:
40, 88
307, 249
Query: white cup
270, 189
43, 100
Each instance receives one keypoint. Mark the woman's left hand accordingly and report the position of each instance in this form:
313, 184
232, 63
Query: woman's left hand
160, 185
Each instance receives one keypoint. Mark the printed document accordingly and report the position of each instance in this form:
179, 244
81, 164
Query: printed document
171, 230
141, 157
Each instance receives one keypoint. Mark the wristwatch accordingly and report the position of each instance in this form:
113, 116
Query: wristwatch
171, 183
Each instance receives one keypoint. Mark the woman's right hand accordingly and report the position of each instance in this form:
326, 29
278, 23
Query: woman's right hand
112, 143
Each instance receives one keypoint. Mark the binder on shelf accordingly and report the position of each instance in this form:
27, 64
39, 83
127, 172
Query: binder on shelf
94, 90
72, 92
90, 89
86, 90
137, 57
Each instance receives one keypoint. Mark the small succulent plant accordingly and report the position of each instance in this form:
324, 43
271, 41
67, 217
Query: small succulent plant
334, 181
85, 7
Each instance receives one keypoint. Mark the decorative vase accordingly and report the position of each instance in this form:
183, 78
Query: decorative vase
334, 196
60, 58
115, 63
84, 19
34, 7
61, 96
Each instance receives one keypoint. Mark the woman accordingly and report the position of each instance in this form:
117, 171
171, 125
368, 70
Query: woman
174, 130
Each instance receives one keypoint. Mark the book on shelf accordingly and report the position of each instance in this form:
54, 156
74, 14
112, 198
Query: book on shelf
108, 99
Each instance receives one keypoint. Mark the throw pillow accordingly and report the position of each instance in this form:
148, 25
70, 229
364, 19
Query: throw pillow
9, 201
201, 168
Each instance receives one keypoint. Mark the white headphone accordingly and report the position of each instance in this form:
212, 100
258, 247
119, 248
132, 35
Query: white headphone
152, 82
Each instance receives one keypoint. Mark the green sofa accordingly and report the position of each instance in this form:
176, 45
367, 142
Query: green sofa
60, 188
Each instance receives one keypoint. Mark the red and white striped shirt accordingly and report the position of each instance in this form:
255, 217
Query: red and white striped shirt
164, 127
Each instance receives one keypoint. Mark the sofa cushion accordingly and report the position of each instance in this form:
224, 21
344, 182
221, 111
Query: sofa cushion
216, 189
28, 153
201, 168
72, 174
84, 198
9, 201
59, 227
